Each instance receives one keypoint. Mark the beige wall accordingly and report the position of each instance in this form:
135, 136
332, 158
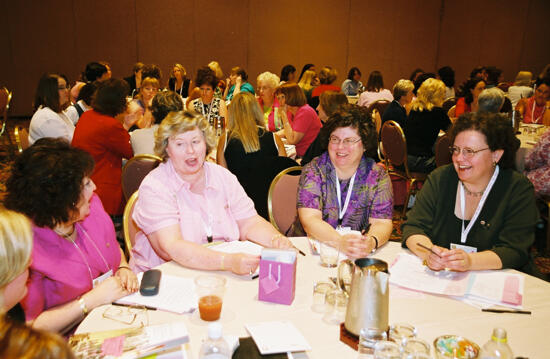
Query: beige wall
393, 36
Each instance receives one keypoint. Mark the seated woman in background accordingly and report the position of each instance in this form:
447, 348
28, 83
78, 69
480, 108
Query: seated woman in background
220, 88
537, 166
288, 74
522, 87
94, 71
83, 103
306, 67
207, 104
134, 81
478, 212
329, 102
237, 82
51, 184
149, 88
50, 100
422, 127
186, 202
374, 91
15, 258
267, 83
251, 152
352, 85
306, 83
471, 90
101, 134
402, 97
344, 189
327, 78
447, 75
143, 140
536, 109
178, 82
303, 125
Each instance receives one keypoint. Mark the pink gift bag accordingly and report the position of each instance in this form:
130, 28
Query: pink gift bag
277, 281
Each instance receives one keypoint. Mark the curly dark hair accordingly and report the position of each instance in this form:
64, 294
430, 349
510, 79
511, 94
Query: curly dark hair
467, 88
110, 97
206, 76
93, 71
46, 181
498, 133
354, 116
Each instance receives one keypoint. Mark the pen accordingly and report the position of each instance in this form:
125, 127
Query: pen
299, 251
428, 249
506, 311
133, 306
255, 276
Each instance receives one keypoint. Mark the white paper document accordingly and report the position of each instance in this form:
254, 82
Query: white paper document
479, 288
277, 337
176, 294
237, 247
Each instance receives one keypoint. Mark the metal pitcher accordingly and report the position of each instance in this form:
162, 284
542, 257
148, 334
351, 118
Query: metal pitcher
366, 281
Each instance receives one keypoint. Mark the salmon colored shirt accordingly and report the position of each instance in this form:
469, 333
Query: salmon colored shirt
165, 199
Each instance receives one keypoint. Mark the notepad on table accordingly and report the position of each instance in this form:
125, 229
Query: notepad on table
277, 337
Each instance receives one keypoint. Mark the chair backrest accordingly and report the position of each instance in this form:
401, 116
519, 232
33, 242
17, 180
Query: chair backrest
281, 199
379, 106
442, 154
5, 99
394, 144
135, 170
130, 227
21, 138
448, 103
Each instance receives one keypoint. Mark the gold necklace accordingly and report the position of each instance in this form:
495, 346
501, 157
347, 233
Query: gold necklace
473, 194
66, 235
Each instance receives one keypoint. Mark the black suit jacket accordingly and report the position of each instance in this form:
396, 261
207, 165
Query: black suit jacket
395, 112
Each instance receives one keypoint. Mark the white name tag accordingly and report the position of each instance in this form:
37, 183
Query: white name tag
343, 230
102, 277
466, 249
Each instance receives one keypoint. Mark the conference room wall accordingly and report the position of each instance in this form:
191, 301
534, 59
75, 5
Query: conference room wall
392, 36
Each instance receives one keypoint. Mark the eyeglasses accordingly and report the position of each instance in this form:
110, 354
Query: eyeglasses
348, 142
127, 315
466, 152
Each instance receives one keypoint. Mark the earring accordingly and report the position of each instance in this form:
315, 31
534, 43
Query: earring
494, 164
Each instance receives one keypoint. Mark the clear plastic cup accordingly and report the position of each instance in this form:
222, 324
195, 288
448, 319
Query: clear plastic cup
385, 349
336, 305
320, 290
210, 290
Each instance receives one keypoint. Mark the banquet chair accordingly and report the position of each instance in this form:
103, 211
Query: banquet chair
21, 138
129, 227
448, 103
5, 99
281, 198
379, 106
443, 155
395, 154
135, 170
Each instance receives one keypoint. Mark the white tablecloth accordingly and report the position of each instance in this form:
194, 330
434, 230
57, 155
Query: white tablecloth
432, 315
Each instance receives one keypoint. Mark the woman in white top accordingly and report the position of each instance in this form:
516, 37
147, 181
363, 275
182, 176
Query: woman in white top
375, 90
52, 97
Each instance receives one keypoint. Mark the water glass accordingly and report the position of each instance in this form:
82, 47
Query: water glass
329, 253
414, 346
368, 337
401, 332
385, 349
336, 305
320, 290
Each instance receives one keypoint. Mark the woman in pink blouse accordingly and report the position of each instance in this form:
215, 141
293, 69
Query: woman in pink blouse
77, 264
186, 202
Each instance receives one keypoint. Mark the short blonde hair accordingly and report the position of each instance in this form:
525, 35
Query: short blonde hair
269, 78
402, 88
15, 245
180, 122
181, 68
430, 94
307, 78
215, 66
328, 75
150, 81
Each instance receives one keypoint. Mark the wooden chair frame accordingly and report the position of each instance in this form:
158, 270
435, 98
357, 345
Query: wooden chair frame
126, 218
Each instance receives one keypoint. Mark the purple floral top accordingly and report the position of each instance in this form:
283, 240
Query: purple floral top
372, 195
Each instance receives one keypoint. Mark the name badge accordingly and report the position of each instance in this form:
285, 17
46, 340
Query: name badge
467, 249
102, 277
343, 230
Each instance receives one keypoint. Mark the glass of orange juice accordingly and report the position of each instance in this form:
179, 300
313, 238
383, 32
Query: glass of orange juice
210, 290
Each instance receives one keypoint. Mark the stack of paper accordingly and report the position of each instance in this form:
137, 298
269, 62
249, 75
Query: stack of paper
176, 294
277, 337
481, 288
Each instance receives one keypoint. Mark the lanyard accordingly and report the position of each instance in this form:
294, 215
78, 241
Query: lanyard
342, 210
84, 257
209, 110
536, 120
464, 233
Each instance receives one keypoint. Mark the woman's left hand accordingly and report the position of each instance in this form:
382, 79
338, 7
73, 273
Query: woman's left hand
128, 279
282, 242
457, 260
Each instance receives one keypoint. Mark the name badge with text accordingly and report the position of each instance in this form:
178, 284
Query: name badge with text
466, 249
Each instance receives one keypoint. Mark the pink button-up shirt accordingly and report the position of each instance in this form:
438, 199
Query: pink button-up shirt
165, 199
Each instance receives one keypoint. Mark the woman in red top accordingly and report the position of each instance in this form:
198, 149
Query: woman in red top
536, 109
106, 138
471, 89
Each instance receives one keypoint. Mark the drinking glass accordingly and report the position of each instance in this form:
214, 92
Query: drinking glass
385, 349
329, 253
401, 332
414, 346
320, 290
210, 290
368, 337
336, 304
